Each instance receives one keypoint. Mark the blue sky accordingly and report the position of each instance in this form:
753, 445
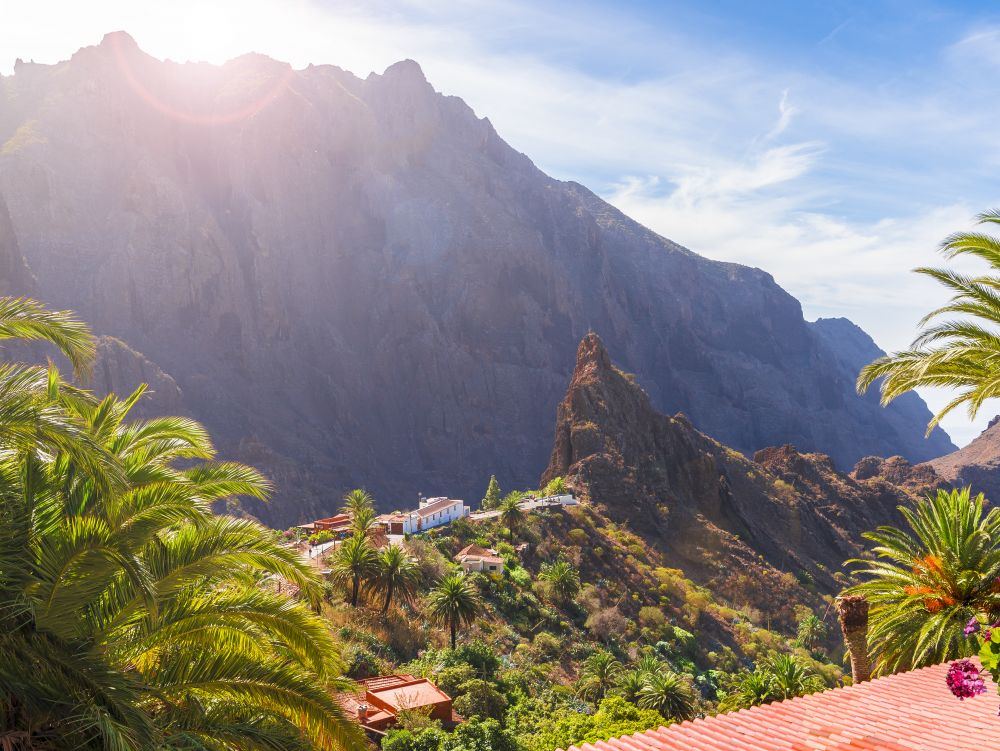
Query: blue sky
833, 144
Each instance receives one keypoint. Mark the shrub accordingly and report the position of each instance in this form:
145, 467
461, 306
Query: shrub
449, 679
607, 623
426, 739
652, 618
480, 699
578, 536
480, 735
547, 644
318, 538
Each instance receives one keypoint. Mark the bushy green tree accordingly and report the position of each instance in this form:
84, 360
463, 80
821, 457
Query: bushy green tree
492, 498
478, 698
425, 739
480, 735
614, 717
555, 486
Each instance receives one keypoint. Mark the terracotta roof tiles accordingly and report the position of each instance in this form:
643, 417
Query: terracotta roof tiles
911, 711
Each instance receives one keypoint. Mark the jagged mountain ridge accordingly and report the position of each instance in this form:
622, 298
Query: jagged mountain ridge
356, 281
976, 464
728, 522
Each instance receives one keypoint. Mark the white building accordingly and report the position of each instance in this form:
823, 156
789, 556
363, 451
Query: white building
433, 512
474, 558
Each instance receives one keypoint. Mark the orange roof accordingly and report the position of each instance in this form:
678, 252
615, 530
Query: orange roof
911, 711
417, 693
384, 681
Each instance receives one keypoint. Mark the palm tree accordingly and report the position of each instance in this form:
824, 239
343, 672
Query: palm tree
962, 351
131, 618
811, 631
669, 693
754, 688
629, 683
562, 578
511, 513
789, 677
356, 501
598, 675
927, 583
648, 664
363, 521
454, 602
396, 575
355, 562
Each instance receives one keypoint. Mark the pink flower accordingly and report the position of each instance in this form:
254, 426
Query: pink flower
972, 626
964, 680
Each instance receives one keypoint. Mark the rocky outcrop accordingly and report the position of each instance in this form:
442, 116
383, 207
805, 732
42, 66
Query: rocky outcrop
976, 465
714, 513
362, 275
120, 369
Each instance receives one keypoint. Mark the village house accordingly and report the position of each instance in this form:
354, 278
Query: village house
339, 526
378, 702
432, 512
474, 558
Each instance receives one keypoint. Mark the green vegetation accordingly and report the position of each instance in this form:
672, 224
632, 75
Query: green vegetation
927, 583
453, 602
133, 618
562, 578
492, 498
354, 562
960, 350
395, 575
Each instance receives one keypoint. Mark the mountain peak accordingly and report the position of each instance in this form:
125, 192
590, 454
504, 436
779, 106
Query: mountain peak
406, 70
119, 40
592, 352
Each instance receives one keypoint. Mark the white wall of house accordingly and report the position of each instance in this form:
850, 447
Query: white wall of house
414, 522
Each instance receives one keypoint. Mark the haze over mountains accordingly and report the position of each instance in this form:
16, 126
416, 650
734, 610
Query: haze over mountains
357, 282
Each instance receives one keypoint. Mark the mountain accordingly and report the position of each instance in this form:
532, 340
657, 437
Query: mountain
977, 464
726, 521
357, 282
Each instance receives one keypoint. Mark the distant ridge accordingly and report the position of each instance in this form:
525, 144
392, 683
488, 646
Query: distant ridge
357, 282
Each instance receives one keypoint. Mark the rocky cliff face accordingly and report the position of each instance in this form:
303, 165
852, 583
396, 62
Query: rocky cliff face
722, 518
976, 465
359, 279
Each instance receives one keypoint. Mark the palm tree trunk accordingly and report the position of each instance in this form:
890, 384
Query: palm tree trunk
454, 631
853, 612
354, 591
388, 598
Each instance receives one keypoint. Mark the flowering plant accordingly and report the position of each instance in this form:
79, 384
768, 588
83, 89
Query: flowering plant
964, 677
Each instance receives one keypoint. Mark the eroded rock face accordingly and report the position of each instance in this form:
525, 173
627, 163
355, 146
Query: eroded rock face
976, 465
361, 275
712, 511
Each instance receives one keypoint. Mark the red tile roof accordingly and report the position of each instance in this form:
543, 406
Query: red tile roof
911, 711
